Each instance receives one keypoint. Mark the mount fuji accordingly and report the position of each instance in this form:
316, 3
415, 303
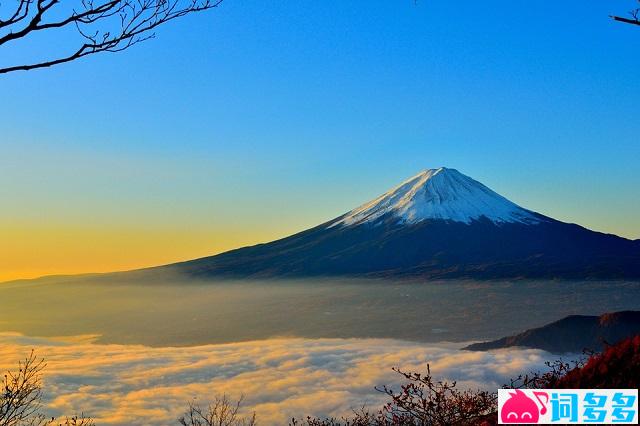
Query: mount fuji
437, 224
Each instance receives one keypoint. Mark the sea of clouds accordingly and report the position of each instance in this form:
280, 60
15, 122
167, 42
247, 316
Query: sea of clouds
138, 385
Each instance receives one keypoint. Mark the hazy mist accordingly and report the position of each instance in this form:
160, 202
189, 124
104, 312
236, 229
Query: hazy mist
166, 311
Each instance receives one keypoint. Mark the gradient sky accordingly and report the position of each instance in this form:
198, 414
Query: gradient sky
260, 119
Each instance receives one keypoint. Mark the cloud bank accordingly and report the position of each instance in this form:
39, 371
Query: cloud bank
280, 378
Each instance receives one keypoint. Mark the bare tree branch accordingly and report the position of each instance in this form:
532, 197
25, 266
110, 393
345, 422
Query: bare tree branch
21, 393
221, 412
21, 398
104, 26
634, 20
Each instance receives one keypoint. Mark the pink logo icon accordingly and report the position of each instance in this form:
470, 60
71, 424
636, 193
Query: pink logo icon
519, 408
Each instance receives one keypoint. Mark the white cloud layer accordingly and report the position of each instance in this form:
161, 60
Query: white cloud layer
280, 378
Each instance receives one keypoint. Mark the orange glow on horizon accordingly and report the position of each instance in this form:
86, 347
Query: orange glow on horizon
30, 251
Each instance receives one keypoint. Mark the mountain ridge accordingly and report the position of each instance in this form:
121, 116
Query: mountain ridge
414, 230
573, 333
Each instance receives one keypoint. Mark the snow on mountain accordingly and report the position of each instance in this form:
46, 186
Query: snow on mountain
466, 231
443, 194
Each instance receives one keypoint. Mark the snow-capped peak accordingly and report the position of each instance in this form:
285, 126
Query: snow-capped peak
443, 194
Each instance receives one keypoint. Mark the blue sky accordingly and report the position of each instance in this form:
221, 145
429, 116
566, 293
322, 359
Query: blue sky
260, 119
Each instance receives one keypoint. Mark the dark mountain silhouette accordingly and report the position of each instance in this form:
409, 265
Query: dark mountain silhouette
438, 224
574, 333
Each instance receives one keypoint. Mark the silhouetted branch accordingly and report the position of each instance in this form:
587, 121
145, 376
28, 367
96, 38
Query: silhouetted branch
21, 398
425, 401
105, 26
21, 393
221, 412
634, 20
73, 421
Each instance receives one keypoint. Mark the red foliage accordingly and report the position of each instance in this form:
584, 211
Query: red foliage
425, 402
618, 367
